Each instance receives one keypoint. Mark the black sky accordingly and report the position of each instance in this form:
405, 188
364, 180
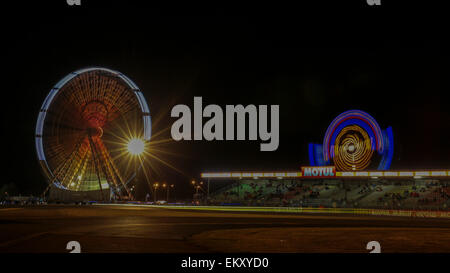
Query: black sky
315, 62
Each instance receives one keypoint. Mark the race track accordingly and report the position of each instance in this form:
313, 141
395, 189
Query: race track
162, 230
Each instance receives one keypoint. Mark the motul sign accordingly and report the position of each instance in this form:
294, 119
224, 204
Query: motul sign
318, 171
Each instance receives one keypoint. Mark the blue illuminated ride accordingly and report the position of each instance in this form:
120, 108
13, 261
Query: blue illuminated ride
354, 141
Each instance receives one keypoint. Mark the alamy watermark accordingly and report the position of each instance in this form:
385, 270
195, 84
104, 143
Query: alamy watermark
236, 116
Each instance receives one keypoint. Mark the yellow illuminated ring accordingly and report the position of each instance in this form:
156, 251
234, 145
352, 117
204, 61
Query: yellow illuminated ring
353, 149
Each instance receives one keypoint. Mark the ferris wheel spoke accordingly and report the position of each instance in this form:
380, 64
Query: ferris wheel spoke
123, 101
78, 160
61, 168
114, 115
57, 153
54, 124
74, 164
83, 169
69, 118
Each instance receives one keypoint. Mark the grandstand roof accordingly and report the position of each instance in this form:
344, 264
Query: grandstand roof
417, 174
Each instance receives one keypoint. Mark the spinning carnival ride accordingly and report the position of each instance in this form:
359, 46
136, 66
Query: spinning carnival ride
90, 131
354, 141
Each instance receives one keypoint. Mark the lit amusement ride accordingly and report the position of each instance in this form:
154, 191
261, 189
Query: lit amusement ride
91, 130
354, 141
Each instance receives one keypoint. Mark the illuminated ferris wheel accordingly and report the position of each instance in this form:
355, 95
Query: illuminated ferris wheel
354, 141
91, 130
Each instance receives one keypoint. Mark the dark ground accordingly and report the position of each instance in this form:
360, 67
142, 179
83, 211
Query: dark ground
158, 230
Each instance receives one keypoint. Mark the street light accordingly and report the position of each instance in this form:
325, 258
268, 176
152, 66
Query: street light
167, 186
164, 185
136, 146
155, 186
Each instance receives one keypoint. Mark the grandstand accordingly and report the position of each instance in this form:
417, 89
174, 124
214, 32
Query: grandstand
349, 169
387, 190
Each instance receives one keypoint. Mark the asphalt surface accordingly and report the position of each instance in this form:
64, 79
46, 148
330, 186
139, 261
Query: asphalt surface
161, 230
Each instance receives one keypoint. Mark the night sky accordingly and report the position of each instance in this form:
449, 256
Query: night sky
314, 61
